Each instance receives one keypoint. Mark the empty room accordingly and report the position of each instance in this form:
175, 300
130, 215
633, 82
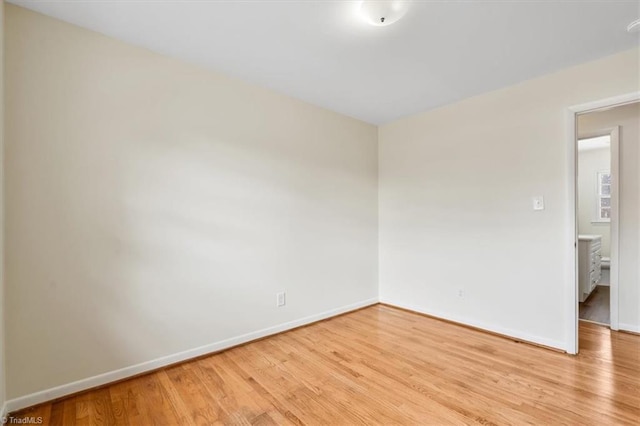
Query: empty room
309, 212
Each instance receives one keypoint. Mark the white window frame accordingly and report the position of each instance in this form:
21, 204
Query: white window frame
599, 196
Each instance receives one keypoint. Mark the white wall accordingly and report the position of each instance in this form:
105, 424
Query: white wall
2, 305
590, 162
154, 207
628, 118
455, 203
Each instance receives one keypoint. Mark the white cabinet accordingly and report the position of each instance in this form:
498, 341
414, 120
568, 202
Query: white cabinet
589, 258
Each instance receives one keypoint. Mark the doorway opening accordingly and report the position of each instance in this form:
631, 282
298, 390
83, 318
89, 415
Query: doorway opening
602, 220
597, 202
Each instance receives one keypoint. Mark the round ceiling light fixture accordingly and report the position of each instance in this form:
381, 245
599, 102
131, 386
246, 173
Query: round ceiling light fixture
634, 26
383, 12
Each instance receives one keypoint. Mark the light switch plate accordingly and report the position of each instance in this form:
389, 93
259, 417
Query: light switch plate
538, 203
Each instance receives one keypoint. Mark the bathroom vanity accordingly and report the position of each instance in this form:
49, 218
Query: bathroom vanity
589, 264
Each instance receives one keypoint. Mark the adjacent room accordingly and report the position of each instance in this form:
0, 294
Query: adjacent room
607, 212
594, 227
320, 212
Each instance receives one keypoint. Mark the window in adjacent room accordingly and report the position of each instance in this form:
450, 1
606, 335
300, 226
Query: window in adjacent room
603, 196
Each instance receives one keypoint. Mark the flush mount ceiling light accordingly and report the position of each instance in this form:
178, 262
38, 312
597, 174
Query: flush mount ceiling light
382, 13
634, 26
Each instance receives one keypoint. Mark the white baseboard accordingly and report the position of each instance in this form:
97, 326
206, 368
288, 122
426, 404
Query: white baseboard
507, 332
629, 327
134, 370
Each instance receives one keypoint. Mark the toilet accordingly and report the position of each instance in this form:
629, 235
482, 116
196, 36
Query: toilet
605, 267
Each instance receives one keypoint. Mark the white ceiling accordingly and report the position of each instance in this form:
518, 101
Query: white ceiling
320, 52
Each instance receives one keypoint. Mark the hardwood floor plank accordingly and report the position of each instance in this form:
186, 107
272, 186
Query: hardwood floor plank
153, 405
57, 414
69, 412
234, 396
192, 391
378, 365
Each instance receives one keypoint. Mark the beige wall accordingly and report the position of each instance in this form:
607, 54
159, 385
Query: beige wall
628, 118
455, 204
154, 207
590, 162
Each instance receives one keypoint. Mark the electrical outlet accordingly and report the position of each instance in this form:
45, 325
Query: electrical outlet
461, 293
538, 202
281, 299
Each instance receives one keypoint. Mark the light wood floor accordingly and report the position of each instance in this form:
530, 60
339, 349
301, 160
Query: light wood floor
379, 365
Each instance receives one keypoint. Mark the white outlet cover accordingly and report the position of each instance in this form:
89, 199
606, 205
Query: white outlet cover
538, 203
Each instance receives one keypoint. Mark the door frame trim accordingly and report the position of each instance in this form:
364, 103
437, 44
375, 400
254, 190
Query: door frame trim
571, 287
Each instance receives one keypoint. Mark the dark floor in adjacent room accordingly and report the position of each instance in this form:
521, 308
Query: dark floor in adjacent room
596, 307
